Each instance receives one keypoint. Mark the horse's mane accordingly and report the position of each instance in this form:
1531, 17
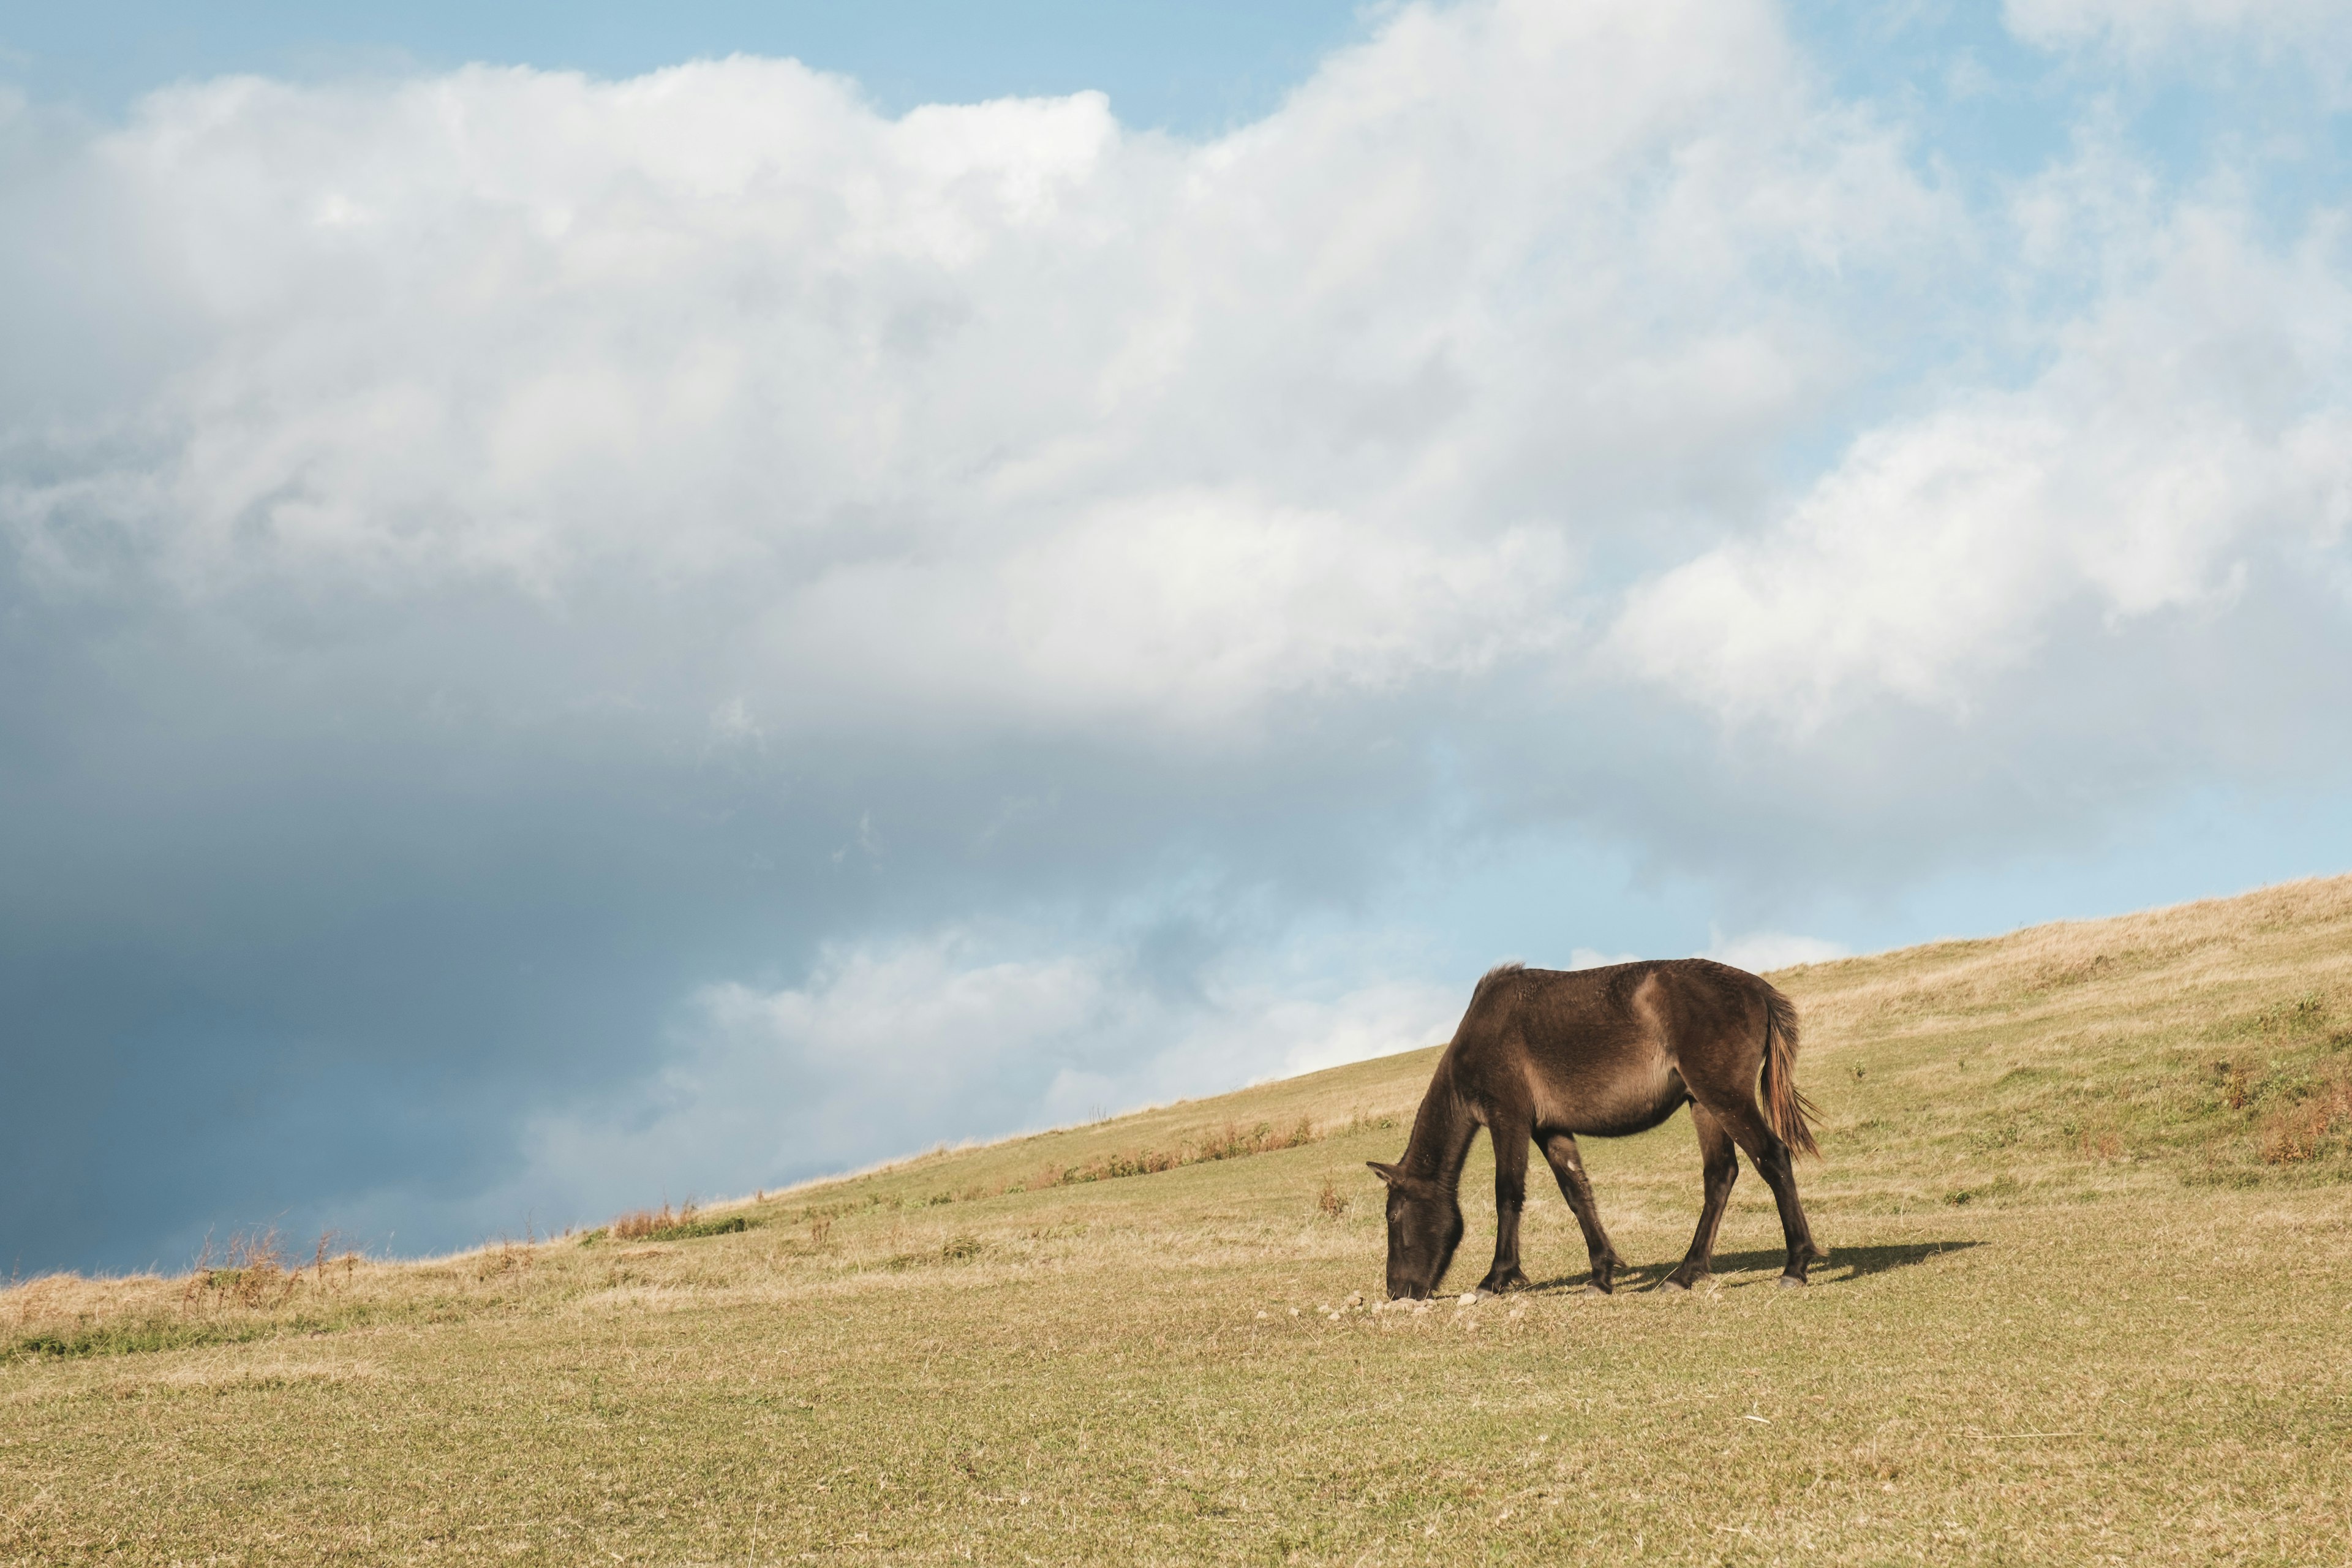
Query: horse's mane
1500, 972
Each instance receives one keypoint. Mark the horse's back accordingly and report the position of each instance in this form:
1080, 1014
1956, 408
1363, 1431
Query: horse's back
1609, 1051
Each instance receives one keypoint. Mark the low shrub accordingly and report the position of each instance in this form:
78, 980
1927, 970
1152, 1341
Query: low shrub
666, 1224
1233, 1141
2301, 1131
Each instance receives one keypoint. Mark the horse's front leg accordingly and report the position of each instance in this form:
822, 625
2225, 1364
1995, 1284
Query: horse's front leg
1568, 1167
1510, 1197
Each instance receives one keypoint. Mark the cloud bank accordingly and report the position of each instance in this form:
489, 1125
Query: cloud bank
564, 638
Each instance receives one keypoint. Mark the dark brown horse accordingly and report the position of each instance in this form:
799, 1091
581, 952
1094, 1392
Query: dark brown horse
1544, 1055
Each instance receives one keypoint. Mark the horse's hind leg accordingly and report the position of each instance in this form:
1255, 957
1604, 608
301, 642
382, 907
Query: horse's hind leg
1778, 1169
1568, 1167
1510, 1197
1720, 1168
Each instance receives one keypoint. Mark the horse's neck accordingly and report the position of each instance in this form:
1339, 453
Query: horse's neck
1440, 1134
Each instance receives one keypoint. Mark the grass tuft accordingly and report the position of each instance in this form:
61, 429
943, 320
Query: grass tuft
663, 1224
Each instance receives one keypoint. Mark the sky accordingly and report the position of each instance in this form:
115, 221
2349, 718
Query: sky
607, 605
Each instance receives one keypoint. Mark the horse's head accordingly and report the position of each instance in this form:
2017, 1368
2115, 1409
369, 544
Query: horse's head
1424, 1227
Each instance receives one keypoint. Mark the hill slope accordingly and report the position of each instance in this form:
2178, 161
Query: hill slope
2091, 1283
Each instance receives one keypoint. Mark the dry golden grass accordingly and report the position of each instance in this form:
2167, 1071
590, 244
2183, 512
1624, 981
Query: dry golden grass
2086, 1188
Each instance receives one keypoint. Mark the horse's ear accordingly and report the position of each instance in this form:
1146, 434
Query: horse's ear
1388, 1174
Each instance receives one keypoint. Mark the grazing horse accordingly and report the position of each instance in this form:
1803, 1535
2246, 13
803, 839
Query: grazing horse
1546, 1054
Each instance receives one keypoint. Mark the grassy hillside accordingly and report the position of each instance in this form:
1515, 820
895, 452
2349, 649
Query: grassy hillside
2091, 1300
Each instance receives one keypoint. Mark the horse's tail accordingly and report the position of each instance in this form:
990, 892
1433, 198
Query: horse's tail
1785, 1106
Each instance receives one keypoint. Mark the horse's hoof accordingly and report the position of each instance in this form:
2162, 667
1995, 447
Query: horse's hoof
1791, 1282
1598, 1288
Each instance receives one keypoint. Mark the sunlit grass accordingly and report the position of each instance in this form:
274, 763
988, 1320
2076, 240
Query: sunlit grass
2085, 1185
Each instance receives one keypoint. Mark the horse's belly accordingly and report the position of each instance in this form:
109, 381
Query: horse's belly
1611, 1105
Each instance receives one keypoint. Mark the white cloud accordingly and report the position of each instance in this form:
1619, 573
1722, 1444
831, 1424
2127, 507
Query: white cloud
1761, 952
2194, 422
2142, 28
997, 410
933, 1038
1185, 606
1307, 1034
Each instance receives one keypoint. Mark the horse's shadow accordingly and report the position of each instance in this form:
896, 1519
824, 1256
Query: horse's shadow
1845, 1264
